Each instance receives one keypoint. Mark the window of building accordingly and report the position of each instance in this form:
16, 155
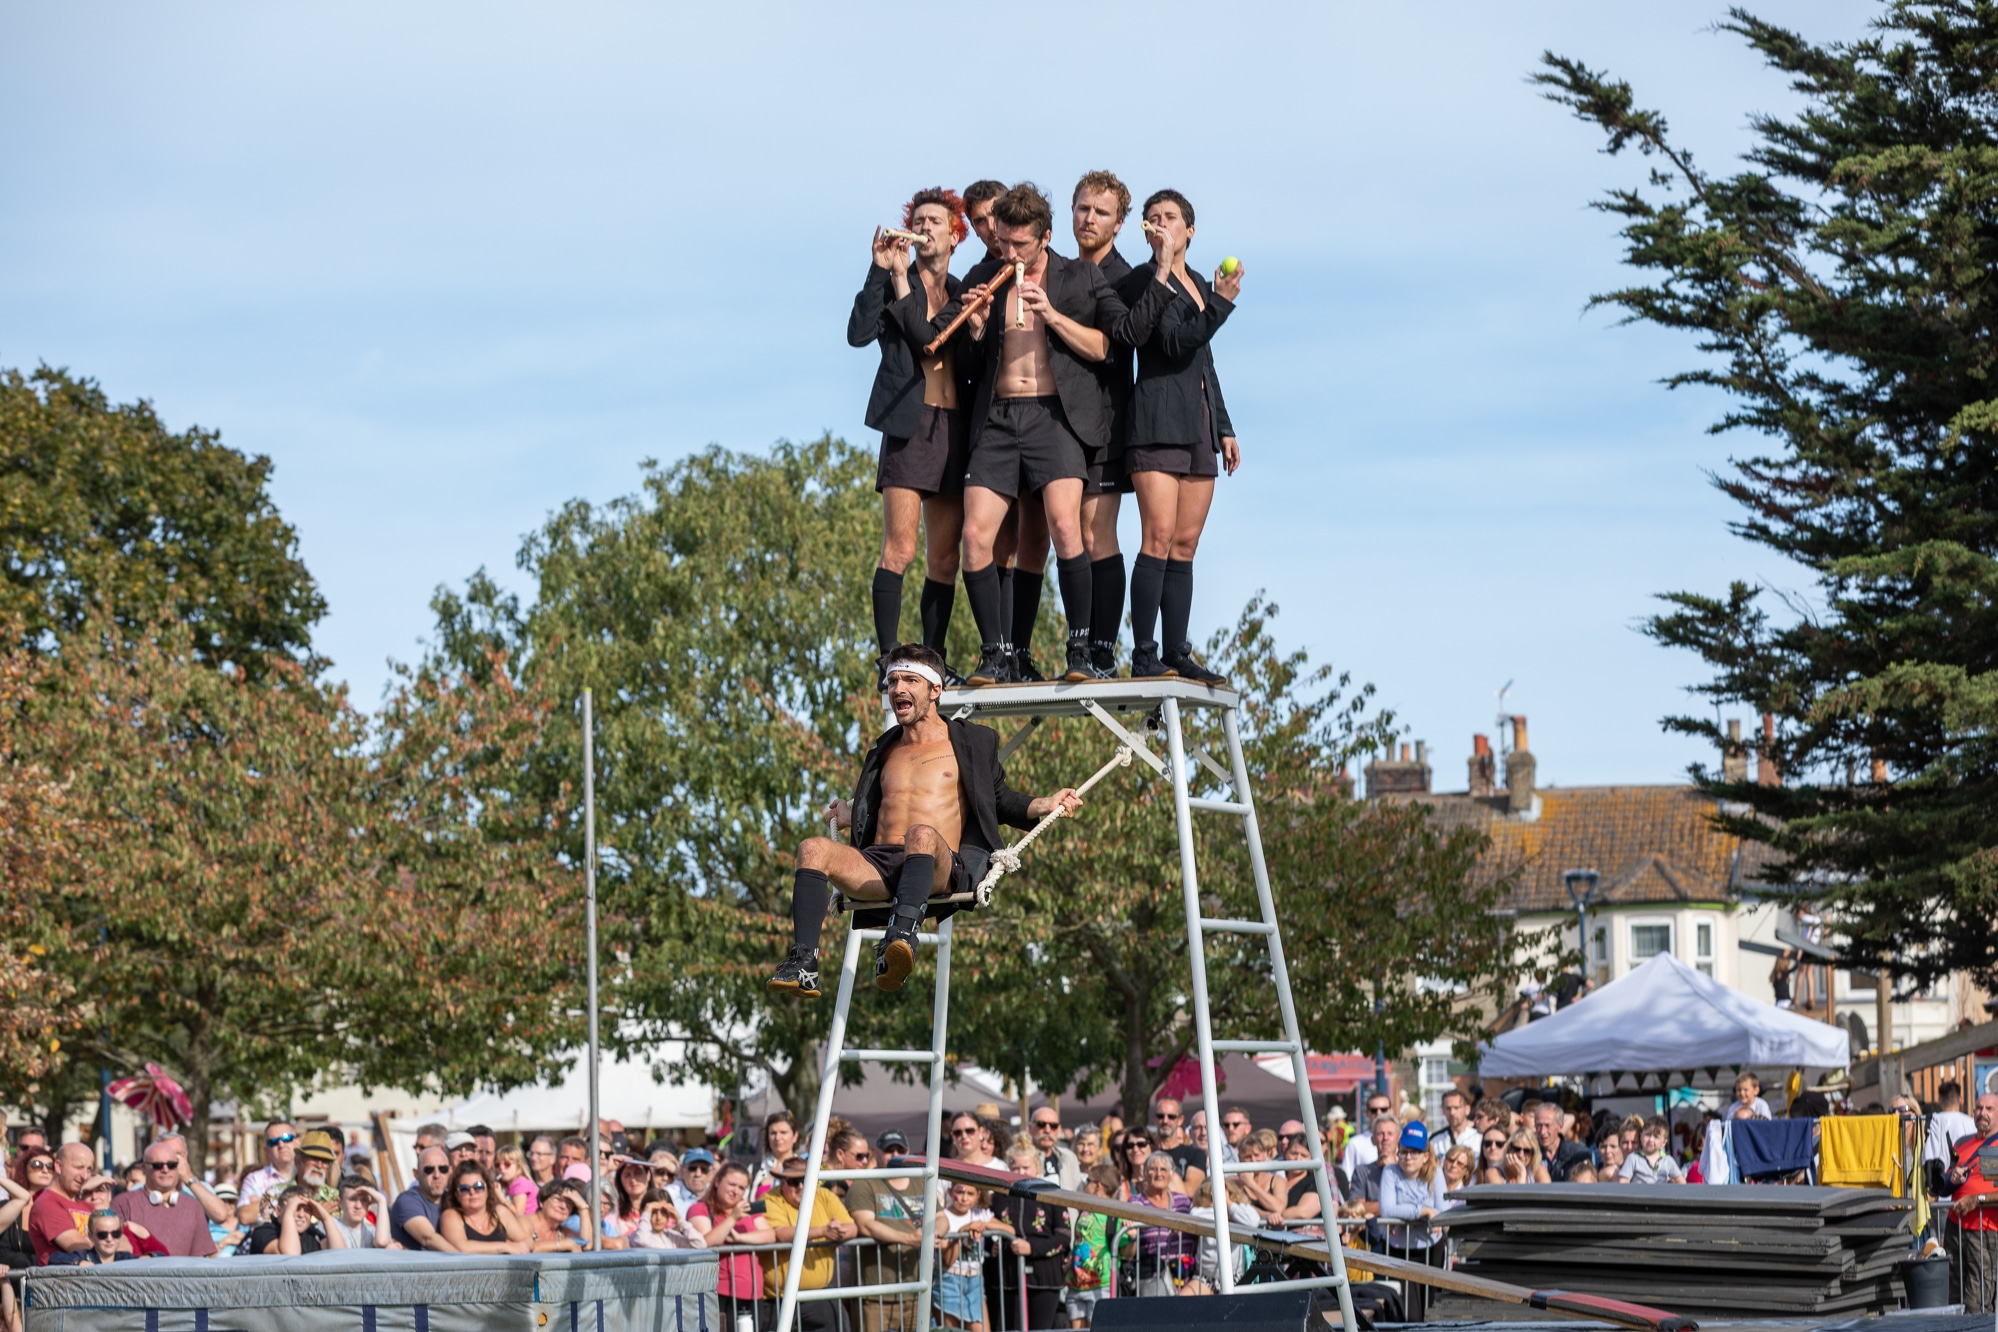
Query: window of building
1599, 960
1435, 1079
1648, 941
1703, 946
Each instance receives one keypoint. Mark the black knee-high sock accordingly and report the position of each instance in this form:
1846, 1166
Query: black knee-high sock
981, 589
1106, 598
810, 896
935, 607
912, 889
1005, 607
1072, 572
887, 609
1147, 585
1176, 605
1027, 584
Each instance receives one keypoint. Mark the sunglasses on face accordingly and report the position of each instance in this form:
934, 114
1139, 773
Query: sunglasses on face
472, 1186
1047, 1123
1234, 1123
1518, 1151
108, 1234
964, 1133
41, 1163
162, 1165
437, 1170
1170, 1119
280, 1139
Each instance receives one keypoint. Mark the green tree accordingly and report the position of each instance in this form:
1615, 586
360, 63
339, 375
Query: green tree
261, 897
721, 617
103, 506
1843, 283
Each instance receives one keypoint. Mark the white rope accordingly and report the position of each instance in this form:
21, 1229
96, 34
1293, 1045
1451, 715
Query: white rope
1007, 859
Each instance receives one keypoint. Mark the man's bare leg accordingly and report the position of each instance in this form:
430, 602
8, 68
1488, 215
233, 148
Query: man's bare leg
1106, 578
1030, 566
901, 511
1061, 501
825, 865
925, 870
986, 516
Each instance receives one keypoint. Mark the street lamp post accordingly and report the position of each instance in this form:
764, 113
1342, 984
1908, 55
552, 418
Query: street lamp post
1581, 884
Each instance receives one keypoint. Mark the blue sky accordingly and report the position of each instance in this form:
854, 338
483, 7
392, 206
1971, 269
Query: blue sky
450, 265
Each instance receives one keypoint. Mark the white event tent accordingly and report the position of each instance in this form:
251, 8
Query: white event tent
1663, 1017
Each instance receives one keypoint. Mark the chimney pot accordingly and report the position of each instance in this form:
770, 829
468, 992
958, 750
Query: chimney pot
1484, 768
1422, 751
1404, 753
1734, 757
1519, 733
1766, 771
1519, 766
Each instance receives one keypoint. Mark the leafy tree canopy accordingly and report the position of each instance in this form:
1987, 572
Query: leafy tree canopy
102, 505
1844, 284
721, 618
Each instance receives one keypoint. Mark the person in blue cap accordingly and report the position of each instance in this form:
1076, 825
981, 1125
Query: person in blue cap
697, 1171
1411, 1196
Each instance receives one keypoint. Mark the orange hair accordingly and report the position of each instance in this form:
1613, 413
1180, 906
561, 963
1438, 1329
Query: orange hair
952, 205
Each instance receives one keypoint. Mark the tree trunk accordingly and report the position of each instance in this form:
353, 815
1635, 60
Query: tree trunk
1137, 1089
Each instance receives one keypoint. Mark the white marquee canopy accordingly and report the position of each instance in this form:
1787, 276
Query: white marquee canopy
1665, 1016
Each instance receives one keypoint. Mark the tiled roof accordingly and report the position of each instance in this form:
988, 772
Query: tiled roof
1652, 844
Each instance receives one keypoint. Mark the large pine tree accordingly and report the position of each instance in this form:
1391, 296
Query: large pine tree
1842, 283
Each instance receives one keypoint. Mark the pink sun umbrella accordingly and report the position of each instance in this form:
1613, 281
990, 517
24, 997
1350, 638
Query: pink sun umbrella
156, 1096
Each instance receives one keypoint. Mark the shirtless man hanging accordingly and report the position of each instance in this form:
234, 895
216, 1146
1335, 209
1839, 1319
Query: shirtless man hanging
925, 817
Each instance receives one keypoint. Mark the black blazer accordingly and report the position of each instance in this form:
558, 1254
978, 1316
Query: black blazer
902, 327
1174, 361
988, 801
1080, 291
1115, 371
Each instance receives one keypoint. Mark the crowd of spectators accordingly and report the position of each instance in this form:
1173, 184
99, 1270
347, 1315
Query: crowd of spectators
471, 1194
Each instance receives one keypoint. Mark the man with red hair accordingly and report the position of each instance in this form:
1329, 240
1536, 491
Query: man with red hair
917, 404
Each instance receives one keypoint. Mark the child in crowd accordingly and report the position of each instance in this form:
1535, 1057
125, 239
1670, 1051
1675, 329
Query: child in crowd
960, 1292
516, 1181
1089, 1265
660, 1225
1650, 1164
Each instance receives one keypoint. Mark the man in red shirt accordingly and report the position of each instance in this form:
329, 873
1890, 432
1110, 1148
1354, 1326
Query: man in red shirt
59, 1220
1974, 1237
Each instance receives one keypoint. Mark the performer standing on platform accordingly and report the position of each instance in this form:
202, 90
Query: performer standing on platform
1024, 528
1096, 213
1039, 403
927, 788
915, 405
1179, 428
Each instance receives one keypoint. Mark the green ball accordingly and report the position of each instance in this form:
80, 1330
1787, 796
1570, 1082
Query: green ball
1229, 265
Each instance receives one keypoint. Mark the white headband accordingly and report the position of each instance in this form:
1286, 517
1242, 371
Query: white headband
916, 668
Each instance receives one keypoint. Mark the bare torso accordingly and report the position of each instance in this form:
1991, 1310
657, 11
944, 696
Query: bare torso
919, 786
939, 377
1024, 369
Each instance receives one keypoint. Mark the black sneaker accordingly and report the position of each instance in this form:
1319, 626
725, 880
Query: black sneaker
1103, 659
995, 666
895, 955
1080, 667
881, 674
952, 680
1188, 667
1145, 663
798, 974
1023, 667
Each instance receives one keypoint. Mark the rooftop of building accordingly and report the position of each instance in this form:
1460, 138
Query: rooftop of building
1652, 845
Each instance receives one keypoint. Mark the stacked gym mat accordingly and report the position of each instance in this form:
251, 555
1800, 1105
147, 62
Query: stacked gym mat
1754, 1251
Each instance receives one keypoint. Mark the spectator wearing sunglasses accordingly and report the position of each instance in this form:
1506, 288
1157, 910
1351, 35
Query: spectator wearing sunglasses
107, 1240
15, 1250
173, 1217
475, 1218
419, 1210
1059, 1163
1133, 1147
280, 1162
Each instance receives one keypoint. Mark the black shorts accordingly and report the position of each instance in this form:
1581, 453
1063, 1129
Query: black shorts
1106, 473
929, 462
1026, 443
887, 860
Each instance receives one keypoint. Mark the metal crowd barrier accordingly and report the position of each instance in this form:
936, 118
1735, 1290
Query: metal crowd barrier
1159, 1269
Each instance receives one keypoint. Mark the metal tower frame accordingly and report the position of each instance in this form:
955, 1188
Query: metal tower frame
1132, 711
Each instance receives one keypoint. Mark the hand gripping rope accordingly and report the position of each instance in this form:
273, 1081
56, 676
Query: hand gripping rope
1007, 859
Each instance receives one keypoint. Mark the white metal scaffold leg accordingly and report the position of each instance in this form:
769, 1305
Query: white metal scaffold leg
1149, 706
857, 941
